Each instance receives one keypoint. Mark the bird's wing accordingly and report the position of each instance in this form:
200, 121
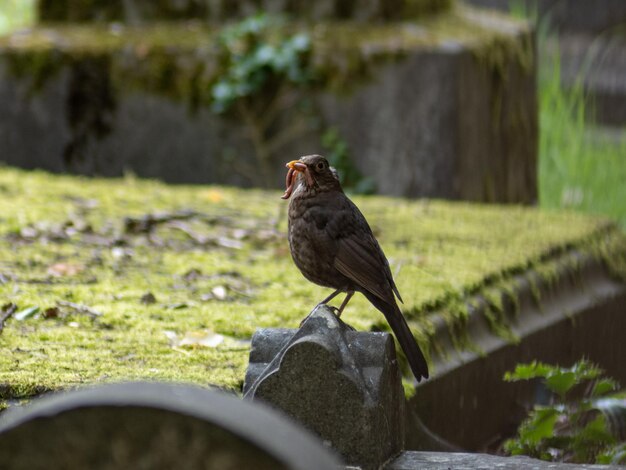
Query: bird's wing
361, 260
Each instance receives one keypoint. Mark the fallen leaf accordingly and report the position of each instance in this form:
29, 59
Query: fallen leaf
51, 312
219, 292
240, 233
192, 275
201, 338
229, 243
118, 252
213, 195
177, 306
148, 298
29, 232
65, 269
79, 308
26, 313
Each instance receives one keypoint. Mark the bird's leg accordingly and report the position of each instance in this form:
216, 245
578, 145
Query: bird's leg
329, 298
324, 302
345, 302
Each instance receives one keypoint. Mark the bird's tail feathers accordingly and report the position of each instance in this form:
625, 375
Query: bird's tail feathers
403, 334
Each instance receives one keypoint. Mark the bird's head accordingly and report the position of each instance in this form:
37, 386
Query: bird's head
312, 171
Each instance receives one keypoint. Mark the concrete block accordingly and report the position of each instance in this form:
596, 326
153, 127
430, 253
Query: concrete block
446, 122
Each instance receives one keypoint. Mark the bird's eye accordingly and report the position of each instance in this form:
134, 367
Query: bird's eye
320, 166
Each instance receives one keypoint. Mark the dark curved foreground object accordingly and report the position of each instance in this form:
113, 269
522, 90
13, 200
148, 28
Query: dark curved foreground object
154, 426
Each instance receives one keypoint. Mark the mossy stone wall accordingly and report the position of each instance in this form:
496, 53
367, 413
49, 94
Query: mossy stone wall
441, 108
218, 10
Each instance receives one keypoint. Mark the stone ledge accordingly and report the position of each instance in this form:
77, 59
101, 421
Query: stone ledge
579, 312
465, 461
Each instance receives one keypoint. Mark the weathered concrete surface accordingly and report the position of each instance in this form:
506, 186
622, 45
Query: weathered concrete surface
444, 124
342, 384
446, 119
582, 314
569, 15
154, 426
149, 135
465, 461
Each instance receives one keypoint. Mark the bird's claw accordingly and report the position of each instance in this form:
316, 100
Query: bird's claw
335, 310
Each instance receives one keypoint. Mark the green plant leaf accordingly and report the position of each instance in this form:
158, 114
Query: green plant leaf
529, 371
604, 386
561, 382
585, 370
540, 425
592, 439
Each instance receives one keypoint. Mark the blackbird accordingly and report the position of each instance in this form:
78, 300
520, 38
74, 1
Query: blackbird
333, 246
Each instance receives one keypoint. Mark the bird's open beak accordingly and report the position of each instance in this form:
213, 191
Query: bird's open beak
296, 165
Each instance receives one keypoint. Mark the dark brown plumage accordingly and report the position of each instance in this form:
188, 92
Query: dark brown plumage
333, 246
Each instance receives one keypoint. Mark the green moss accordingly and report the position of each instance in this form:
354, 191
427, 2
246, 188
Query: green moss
441, 253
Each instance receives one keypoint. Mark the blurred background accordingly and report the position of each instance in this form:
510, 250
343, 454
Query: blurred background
162, 90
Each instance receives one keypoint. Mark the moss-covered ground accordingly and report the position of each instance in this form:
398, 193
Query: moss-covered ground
216, 261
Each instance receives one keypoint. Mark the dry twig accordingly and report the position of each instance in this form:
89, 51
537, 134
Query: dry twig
78, 308
5, 313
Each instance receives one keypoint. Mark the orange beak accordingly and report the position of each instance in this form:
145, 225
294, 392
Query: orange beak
296, 165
